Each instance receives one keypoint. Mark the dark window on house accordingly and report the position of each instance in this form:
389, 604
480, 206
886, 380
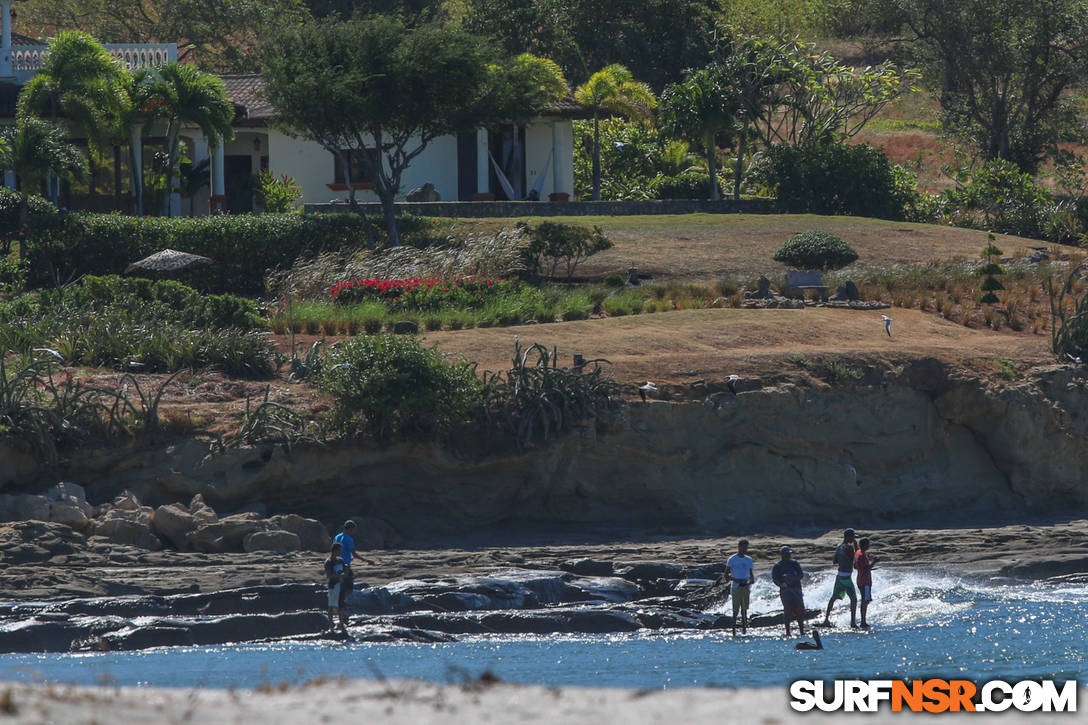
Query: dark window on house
359, 172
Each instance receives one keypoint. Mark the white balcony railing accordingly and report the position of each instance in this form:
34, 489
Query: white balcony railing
26, 60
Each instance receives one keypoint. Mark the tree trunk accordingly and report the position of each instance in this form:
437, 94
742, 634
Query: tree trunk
352, 201
389, 211
740, 164
172, 140
136, 169
712, 166
596, 159
24, 213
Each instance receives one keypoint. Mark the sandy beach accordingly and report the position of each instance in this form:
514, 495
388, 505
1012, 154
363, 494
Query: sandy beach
415, 703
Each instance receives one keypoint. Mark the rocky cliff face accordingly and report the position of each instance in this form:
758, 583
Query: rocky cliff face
924, 441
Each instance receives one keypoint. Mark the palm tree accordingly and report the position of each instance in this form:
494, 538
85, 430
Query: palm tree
125, 125
700, 109
79, 80
612, 90
36, 149
184, 94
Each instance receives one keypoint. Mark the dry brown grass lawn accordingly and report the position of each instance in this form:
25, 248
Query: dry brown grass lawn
708, 247
680, 347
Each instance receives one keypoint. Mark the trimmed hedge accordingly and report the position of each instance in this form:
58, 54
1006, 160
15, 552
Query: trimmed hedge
66, 246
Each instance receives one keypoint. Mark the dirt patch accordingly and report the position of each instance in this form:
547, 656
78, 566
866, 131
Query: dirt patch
680, 347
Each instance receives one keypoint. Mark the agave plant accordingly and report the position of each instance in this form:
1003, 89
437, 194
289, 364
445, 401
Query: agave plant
536, 399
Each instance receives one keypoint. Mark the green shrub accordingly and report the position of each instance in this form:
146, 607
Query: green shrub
1002, 198
277, 194
167, 300
39, 213
838, 178
624, 303
614, 280
685, 185
389, 384
12, 277
555, 243
242, 247
577, 306
815, 250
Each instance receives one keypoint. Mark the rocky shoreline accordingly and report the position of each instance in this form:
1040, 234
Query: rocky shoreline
433, 595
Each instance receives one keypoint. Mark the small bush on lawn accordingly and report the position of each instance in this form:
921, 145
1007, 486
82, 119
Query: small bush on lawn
388, 384
815, 250
552, 244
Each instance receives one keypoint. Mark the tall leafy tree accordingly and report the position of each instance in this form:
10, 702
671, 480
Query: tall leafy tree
218, 35
612, 90
183, 94
701, 109
36, 149
79, 81
656, 39
374, 91
1002, 69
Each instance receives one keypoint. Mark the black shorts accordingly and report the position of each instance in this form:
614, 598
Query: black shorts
346, 585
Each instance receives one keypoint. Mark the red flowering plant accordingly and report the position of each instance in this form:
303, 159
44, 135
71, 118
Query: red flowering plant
422, 293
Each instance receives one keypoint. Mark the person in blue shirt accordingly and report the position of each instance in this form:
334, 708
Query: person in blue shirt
347, 553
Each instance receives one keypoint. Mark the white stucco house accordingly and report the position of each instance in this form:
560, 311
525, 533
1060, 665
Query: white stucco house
538, 156
535, 160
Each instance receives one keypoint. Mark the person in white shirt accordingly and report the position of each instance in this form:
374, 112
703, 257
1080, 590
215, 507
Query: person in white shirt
741, 571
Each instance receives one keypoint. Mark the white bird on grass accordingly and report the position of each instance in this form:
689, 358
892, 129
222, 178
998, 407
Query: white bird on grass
52, 353
887, 324
647, 388
731, 383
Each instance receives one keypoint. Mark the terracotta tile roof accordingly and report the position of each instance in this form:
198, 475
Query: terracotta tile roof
244, 91
568, 108
20, 39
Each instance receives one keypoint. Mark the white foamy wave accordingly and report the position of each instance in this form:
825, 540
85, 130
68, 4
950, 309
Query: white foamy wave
902, 597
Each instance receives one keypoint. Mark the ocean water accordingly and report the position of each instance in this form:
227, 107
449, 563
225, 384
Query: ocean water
922, 626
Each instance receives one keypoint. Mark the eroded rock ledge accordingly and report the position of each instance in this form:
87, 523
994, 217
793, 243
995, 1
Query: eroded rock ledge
924, 440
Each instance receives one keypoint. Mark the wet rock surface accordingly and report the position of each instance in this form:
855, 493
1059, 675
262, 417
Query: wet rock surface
434, 609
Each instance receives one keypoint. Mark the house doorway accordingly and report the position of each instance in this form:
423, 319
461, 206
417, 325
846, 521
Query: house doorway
238, 180
507, 147
467, 175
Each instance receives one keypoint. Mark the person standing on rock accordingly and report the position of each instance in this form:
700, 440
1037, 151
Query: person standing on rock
741, 570
787, 574
347, 543
844, 585
864, 565
335, 569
